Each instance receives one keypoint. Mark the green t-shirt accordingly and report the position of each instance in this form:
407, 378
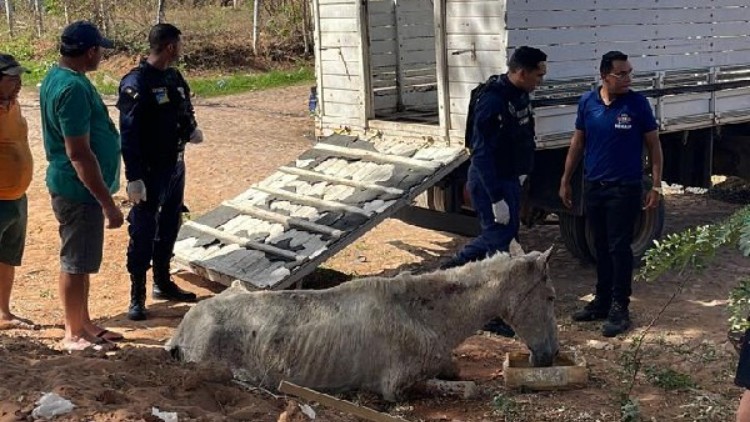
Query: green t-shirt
71, 106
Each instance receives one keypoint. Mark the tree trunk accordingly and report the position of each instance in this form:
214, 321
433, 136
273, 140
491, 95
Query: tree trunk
9, 16
305, 30
160, 12
38, 14
103, 16
256, 12
65, 12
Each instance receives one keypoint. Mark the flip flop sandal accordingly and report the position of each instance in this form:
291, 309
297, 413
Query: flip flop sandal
18, 324
99, 345
110, 335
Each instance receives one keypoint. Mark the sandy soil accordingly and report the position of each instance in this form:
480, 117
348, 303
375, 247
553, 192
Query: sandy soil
247, 137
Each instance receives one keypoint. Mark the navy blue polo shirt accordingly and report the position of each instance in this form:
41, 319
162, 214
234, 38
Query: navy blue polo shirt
614, 135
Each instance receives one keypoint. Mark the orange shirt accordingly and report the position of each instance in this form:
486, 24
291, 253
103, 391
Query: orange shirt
16, 163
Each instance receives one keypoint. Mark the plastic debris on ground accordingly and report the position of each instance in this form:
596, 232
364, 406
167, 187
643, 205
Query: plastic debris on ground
50, 406
165, 416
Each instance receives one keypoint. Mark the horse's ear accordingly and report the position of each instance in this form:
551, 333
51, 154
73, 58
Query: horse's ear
515, 249
546, 255
544, 258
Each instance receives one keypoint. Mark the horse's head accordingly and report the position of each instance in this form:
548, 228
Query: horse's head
532, 308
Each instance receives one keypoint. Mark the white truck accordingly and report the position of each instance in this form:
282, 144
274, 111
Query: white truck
404, 69
393, 85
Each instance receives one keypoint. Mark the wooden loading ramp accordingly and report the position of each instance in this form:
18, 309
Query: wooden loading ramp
282, 228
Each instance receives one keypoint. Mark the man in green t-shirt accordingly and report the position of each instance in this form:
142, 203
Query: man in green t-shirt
83, 149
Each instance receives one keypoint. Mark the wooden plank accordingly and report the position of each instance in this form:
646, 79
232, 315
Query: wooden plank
332, 54
338, 121
348, 182
600, 17
319, 70
338, 404
419, 44
339, 39
341, 82
420, 59
635, 33
493, 42
343, 110
382, 47
381, 20
338, 25
487, 25
337, 11
282, 219
475, 9
473, 74
343, 96
441, 66
241, 241
375, 156
548, 5
364, 41
421, 100
411, 101
337, 2
374, 220
493, 59
383, 66
340, 67
415, 17
314, 202
382, 33
419, 7
375, 7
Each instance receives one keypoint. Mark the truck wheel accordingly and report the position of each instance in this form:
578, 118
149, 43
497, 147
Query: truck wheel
648, 227
573, 233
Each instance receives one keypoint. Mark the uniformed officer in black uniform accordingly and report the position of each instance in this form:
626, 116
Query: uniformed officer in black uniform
502, 155
156, 121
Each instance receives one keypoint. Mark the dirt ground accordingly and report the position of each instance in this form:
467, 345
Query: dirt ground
247, 137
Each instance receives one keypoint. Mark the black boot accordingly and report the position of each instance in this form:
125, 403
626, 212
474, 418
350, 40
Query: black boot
499, 327
137, 308
596, 310
618, 321
166, 289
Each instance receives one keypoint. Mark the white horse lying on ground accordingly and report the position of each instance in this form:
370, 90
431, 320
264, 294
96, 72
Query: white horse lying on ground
378, 334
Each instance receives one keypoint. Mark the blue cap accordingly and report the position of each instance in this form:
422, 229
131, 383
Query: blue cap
10, 66
82, 35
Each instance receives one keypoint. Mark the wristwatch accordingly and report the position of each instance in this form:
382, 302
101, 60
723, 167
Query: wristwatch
657, 189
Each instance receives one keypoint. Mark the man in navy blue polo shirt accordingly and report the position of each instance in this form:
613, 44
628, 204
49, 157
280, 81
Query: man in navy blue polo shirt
612, 127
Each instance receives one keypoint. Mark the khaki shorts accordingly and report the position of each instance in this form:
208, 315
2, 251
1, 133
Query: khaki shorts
81, 233
13, 218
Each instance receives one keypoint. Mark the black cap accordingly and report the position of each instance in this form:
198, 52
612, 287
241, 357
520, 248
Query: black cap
82, 35
10, 66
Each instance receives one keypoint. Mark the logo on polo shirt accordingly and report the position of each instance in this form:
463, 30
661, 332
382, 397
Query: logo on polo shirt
623, 121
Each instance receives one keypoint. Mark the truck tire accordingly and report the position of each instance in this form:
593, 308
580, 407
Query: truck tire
648, 227
573, 233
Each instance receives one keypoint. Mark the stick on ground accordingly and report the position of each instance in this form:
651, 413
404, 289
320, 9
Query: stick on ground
338, 404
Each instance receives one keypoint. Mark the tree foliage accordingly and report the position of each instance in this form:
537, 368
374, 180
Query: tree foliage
693, 249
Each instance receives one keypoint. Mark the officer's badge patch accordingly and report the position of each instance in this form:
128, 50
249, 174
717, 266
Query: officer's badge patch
181, 90
161, 95
130, 92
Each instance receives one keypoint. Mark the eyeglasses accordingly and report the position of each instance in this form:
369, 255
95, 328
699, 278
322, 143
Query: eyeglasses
622, 75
